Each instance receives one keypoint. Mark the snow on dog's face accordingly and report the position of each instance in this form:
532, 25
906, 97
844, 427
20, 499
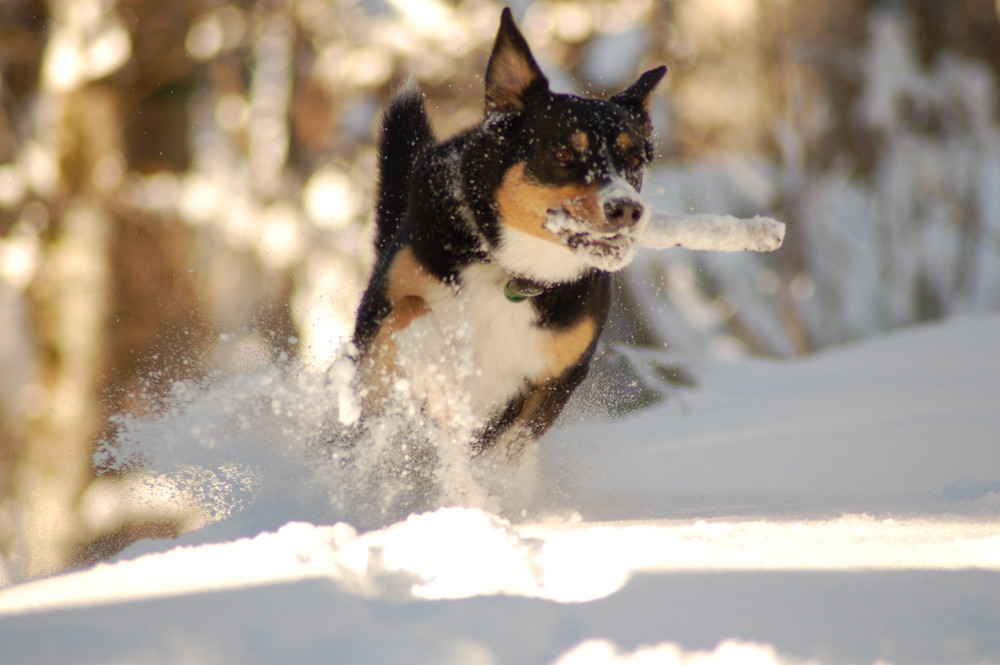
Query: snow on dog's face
573, 167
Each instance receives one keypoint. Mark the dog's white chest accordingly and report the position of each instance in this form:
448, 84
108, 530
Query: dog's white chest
476, 348
507, 342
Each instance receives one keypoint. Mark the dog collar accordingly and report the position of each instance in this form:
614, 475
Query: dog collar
518, 289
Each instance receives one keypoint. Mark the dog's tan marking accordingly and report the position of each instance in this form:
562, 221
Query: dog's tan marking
564, 348
580, 140
524, 204
407, 292
380, 365
533, 406
624, 141
408, 277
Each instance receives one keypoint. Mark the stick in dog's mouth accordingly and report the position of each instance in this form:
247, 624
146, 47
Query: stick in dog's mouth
614, 250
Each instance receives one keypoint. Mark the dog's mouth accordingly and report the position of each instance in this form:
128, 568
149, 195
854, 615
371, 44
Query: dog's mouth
605, 250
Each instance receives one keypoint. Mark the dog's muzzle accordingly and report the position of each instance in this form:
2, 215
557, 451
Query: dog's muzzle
609, 243
621, 204
623, 213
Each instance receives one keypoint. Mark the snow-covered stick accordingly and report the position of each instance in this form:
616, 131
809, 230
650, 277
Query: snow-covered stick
720, 233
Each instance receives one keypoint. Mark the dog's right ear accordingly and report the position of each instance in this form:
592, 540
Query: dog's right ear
512, 73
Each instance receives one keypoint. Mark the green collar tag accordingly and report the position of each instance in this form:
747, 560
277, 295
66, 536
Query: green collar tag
511, 294
519, 290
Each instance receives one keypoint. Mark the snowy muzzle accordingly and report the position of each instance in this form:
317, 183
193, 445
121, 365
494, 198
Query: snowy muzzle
609, 243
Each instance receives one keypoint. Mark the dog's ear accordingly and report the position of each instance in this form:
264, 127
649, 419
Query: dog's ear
635, 98
512, 73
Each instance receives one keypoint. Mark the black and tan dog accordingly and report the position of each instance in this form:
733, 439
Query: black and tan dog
495, 248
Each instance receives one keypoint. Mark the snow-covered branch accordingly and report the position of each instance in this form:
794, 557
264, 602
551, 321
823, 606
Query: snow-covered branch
719, 233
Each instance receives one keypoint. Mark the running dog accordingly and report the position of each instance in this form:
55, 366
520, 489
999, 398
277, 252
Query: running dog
494, 249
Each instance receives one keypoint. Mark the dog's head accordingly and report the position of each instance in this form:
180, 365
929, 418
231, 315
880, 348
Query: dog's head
569, 195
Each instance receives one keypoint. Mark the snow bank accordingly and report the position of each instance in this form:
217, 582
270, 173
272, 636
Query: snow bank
455, 553
604, 652
904, 425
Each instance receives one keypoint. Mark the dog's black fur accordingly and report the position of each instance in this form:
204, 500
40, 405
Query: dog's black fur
463, 229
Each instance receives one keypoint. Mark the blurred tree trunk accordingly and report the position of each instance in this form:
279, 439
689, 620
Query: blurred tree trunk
68, 305
22, 42
109, 285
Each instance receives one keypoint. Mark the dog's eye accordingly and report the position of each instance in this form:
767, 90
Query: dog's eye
564, 156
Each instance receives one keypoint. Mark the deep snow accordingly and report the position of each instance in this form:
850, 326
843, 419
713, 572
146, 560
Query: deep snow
843, 508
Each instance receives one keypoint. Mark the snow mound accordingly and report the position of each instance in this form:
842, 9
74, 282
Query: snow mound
730, 652
455, 553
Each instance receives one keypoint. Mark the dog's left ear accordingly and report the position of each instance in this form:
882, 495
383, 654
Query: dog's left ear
512, 72
635, 98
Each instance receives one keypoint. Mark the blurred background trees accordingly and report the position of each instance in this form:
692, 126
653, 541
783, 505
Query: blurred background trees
185, 187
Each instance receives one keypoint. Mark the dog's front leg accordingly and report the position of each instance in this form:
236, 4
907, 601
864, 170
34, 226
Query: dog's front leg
419, 359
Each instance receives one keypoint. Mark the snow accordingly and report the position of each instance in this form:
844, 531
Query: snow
839, 508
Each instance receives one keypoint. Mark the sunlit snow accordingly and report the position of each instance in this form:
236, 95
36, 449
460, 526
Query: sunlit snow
839, 508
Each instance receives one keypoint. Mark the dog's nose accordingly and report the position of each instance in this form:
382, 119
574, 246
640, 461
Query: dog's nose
623, 213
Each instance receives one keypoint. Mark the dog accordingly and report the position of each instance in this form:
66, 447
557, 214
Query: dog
495, 249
